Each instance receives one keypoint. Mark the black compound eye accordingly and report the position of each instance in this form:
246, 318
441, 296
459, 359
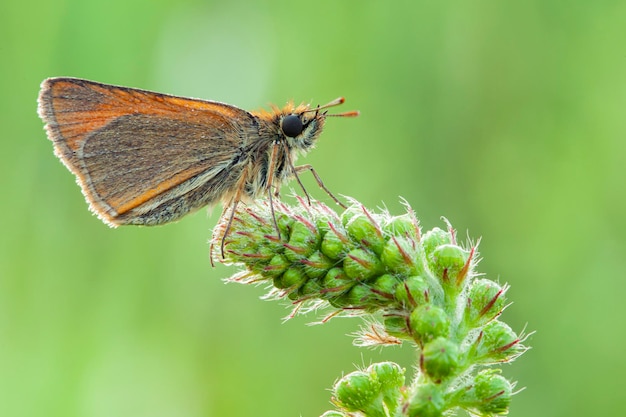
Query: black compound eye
292, 125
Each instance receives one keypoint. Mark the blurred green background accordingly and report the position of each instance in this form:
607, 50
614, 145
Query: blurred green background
508, 118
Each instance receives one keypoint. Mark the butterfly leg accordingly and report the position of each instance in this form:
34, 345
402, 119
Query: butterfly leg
308, 167
270, 180
294, 169
232, 204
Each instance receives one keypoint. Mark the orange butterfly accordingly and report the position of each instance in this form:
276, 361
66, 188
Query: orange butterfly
147, 158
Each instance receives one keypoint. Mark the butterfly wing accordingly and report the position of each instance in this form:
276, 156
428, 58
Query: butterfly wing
142, 157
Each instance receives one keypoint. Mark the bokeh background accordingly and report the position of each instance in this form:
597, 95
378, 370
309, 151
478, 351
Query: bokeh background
508, 118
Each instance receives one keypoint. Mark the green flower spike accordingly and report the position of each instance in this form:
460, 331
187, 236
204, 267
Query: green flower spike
407, 285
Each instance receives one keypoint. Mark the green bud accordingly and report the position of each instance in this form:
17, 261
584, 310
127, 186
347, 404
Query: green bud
257, 259
433, 238
311, 287
385, 287
401, 256
359, 391
340, 301
390, 374
429, 322
447, 261
360, 295
240, 243
316, 265
391, 378
335, 283
304, 240
321, 224
285, 222
498, 343
276, 267
361, 265
293, 294
402, 226
440, 358
362, 229
271, 241
490, 394
335, 244
350, 212
427, 401
485, 302
293, 278
412, 292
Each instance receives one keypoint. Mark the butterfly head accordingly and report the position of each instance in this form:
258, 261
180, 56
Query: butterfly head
301, 125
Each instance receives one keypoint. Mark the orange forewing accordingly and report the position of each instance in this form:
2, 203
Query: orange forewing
103, 133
